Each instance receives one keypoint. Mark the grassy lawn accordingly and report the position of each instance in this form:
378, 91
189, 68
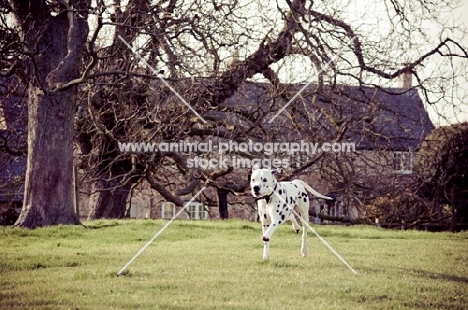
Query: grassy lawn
218, 265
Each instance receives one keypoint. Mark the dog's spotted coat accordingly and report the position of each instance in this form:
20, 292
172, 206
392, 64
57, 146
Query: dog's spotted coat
276, 200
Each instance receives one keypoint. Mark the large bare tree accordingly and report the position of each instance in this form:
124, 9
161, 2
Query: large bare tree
74, 54
53, 39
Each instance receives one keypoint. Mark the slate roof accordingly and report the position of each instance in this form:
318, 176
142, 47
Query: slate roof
388, 119
385, 119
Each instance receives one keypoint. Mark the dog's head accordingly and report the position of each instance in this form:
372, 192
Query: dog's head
262, 181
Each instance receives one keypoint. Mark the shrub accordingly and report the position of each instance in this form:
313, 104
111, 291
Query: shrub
406, 210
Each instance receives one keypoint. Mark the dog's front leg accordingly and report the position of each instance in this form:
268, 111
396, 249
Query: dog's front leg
269, 232
266, 221
266, 238
262, 215
266, 249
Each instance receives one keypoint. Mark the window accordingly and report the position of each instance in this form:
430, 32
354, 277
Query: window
197, 211
403, 162
298, 159
133, 210
167, 210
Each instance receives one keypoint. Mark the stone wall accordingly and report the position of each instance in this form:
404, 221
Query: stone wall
145, 202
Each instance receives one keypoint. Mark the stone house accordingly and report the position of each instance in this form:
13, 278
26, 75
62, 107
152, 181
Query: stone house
387, 127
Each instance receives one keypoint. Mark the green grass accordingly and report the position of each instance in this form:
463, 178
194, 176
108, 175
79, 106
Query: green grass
218, 265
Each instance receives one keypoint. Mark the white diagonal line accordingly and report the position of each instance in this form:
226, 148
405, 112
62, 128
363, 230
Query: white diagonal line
318, 236
306, 85
162, 79
160, 231
326, 243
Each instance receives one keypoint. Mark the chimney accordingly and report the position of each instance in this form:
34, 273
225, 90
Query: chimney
405, 79
233, 61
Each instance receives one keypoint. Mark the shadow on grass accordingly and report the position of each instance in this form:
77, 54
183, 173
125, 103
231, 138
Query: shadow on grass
422, 274
101, 224
440, 276
279, 264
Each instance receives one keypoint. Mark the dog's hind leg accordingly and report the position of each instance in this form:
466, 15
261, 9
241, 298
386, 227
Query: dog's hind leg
294, 222
304, 247
304, 212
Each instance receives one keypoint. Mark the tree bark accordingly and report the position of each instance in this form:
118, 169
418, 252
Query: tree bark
222, 204
54, 46
48, 195
112, 201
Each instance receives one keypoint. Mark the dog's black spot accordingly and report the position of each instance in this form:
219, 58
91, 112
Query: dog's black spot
284, 206
295, 185
282, 217
264, 180
281, 213
264, 215
279, 222
280, 192
305, 199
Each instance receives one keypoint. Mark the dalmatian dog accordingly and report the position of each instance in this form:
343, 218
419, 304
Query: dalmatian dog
276, 200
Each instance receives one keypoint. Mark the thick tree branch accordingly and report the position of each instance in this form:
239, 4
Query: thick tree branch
166, 194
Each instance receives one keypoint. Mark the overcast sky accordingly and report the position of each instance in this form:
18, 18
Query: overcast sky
368, 13
462, 13
460, 112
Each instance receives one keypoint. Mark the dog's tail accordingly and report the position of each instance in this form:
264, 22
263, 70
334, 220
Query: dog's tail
310, 189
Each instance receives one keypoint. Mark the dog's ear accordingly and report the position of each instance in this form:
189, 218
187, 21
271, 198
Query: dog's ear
255, 167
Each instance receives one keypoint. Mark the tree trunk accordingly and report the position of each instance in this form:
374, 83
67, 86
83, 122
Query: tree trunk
55, 43
48, 195
113, 186
453, 223
222, 204
112, 200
